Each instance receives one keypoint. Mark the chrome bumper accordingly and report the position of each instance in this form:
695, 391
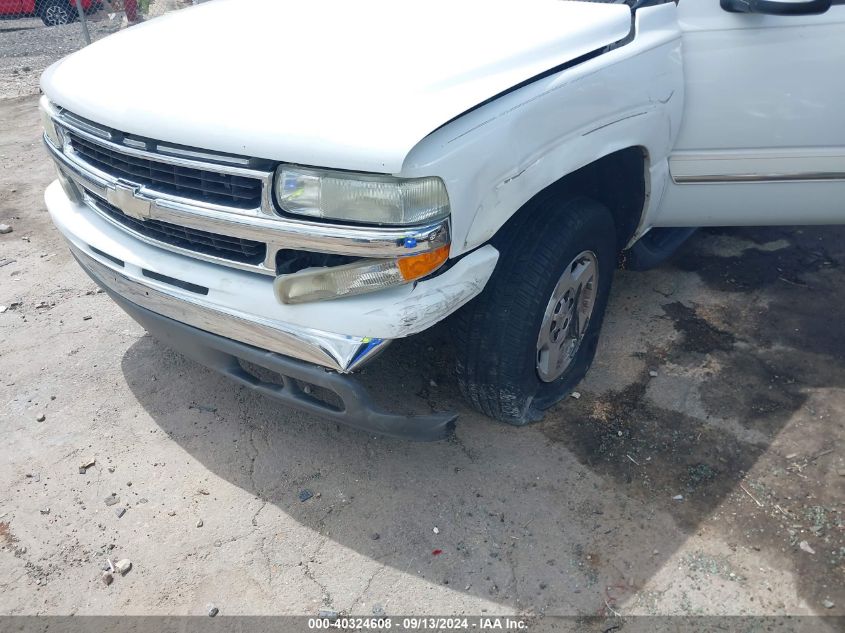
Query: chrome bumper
341, 353
295, 381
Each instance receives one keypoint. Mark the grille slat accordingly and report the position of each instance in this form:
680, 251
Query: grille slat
213, 244
200, 184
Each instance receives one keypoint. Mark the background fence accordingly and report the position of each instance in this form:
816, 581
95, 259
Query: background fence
35, 33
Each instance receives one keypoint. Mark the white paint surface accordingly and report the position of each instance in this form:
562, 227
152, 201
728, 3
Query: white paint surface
352, 85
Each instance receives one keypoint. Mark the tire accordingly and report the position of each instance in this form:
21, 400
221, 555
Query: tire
56, 12
497, 335
655, 247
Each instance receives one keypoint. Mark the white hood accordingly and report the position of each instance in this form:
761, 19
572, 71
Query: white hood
351, 84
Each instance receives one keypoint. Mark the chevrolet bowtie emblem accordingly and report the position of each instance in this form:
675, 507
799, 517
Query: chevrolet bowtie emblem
126, 198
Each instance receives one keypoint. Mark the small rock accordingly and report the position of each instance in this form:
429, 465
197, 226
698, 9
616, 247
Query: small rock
375, 536
212, 610
575, 394
432, 383
41, 418
107, 578
84, 466
329, 614
120, 512
3, 309
87, 317
841, 472
203, 492
436, 530
123, 566
828, 604
111, 469
128, 484
171, 513
652, 373
199, 523
678, 498
111, 499
305, 495
378, 610
105, 566
5, 228
45, 511
804, 546
218, 543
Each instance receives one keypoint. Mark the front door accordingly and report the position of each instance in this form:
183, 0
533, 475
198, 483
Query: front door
763, 135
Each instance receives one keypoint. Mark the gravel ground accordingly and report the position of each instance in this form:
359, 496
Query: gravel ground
27, 47
701, 471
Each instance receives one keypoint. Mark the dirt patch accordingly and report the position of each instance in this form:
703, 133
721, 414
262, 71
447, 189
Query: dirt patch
757, 265
657, 454
698, 335
6, 535
755, 364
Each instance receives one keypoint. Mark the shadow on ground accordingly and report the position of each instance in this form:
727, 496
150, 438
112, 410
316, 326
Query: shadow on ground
577, 513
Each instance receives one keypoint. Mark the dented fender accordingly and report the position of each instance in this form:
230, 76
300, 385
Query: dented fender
430, 302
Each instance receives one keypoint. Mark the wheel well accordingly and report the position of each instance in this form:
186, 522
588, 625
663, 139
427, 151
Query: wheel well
617, 181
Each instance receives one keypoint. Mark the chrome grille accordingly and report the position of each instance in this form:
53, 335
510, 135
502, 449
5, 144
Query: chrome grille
212, 244
204, 185
184, 199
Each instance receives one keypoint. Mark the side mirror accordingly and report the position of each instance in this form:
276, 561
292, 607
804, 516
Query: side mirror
777, 7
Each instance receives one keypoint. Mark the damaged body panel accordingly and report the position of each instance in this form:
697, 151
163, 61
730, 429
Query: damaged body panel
240, 305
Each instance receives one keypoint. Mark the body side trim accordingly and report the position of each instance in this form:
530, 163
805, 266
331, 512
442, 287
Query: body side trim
756, 166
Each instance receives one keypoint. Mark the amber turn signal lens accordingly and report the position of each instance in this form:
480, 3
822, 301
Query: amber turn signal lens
416, 266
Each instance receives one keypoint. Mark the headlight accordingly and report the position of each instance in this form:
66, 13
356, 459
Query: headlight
355, 197
366, 275
48, 111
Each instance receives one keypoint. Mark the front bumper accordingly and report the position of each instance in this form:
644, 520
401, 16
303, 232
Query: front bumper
340, 335
351, 404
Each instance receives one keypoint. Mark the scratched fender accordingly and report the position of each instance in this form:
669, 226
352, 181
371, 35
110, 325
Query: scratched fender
631, 96
425, 306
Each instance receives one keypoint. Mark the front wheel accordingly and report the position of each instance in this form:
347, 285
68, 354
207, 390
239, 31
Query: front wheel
530, 337
56, 12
